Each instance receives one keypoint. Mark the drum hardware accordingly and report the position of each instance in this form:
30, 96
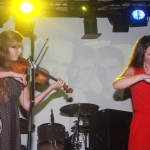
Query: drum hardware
55, 144
24, 126
46, 136
83, 128
66, 135
51, 136
84, 111
75, 137
82, 108
53, 128
85, 119
76, 144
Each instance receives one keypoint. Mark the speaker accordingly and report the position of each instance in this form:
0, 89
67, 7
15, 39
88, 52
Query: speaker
90, 28
113, 130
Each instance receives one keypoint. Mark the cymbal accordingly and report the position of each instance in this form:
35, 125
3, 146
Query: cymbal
79, 108
83, 129
24, 126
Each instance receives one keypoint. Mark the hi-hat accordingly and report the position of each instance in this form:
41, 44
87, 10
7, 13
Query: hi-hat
79, 108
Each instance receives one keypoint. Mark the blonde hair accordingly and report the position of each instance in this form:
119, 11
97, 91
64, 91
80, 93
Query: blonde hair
8, 38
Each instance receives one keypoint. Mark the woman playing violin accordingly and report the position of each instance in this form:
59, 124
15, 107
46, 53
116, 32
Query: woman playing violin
13, 87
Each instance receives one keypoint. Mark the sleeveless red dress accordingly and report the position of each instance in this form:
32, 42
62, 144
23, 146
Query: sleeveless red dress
139, 138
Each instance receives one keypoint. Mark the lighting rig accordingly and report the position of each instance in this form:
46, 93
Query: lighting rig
122, 14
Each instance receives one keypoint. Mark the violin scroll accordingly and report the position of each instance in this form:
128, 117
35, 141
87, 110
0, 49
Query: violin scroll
70, 90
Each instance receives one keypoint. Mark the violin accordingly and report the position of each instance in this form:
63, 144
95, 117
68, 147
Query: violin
41, 75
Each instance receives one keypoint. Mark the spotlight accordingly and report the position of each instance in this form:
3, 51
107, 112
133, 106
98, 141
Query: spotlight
26, 7
138, 17
138, 14
82, 8
119, 21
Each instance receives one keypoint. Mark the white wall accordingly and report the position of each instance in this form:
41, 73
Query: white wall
91, 79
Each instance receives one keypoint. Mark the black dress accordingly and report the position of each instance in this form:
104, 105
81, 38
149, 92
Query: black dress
10, 138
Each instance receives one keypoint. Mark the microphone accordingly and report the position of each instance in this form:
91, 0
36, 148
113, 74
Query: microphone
52, 117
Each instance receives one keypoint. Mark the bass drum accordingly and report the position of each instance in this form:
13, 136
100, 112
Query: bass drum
51, 137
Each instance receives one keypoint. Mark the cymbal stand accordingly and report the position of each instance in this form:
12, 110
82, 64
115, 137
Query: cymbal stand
76, 143
85, 140
85, 119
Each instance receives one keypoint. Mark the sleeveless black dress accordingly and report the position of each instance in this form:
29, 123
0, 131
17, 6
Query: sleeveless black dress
10, 138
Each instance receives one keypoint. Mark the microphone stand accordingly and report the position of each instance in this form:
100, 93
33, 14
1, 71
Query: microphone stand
32, 87
53, 129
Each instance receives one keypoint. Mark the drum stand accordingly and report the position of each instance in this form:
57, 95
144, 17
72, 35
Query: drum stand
85, 140
76, 143
80, 108
85, 124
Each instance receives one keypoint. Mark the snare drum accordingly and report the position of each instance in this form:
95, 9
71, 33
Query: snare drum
51, 137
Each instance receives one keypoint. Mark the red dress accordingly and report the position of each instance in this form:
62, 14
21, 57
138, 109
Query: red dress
140, 127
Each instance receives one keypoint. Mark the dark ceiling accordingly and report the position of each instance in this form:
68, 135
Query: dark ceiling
101, 8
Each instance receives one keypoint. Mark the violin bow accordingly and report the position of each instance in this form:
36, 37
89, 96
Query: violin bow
41, 50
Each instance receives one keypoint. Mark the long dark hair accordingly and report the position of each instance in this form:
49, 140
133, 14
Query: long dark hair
9, 38
138, 52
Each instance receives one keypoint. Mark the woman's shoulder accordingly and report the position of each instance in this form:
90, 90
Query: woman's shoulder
133, 71
129, 71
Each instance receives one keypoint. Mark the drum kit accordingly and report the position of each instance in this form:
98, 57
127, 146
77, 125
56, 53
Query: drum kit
53, 136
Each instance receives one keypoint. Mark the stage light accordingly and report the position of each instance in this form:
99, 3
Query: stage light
138, 17
119, 21
26, 7
138, 14
82, 8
